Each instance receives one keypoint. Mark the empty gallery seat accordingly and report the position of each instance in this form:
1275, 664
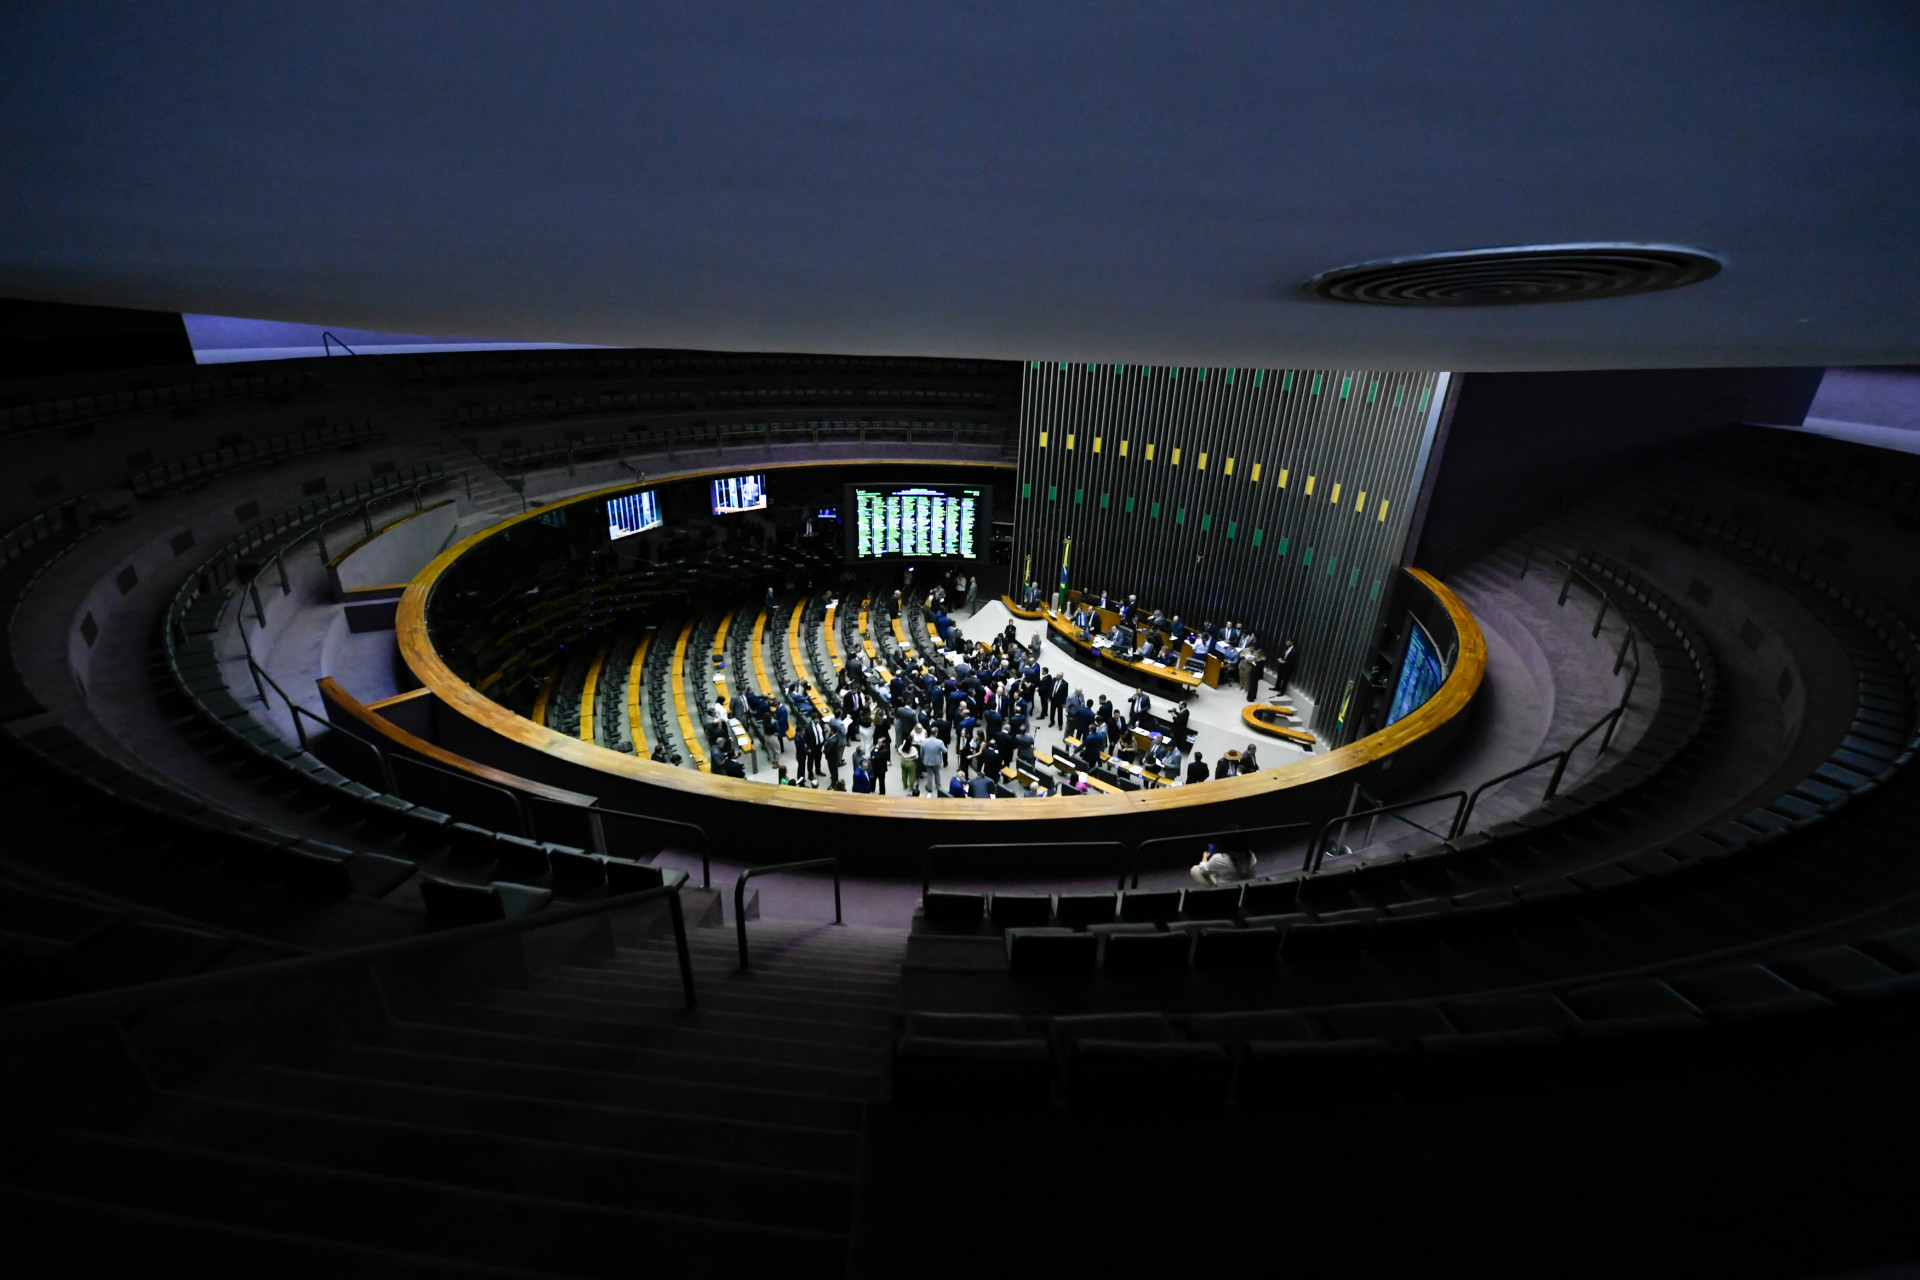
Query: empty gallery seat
971, 1060
1146, 952
1050, 950
1020, 910
1228, 948
451, 903
1078, 910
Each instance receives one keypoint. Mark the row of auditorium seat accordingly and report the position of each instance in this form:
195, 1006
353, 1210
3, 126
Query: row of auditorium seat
1501, 1040
677, 437
521, 365
45, 415
195, 470
1370, 908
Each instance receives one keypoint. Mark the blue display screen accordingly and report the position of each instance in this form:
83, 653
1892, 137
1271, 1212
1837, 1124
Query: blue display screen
739, 493
1421, 674
632, 513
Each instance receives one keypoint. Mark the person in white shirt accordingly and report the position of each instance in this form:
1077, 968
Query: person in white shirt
1216, 868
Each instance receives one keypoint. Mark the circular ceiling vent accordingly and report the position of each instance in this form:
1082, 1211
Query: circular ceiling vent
1524, 273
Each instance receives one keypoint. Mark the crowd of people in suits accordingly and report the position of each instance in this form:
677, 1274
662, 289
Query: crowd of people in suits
951, 725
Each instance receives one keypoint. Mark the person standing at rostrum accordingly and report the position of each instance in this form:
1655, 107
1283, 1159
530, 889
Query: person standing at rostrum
1250, 663
1284, 661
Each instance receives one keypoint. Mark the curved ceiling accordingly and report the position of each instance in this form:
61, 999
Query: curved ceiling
1128, 182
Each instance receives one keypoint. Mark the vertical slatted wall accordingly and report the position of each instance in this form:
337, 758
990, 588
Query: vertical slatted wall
1277, 497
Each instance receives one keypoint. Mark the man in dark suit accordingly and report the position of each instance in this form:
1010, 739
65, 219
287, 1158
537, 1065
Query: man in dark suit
835, 749
1283, 661
1140, 705
1197, 770
816, 745
1057, 697
1180, 715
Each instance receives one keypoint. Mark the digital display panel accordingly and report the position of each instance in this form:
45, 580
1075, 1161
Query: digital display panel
1421, 674
918, 522
632, 513
739, 493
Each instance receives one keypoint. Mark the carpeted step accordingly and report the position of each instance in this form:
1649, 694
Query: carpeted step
795, 1025
723, 1006
531, 1113
411, 1216
75, 1234
484, 1161
746, 993
607, 1023
603, 1055
507, 1076
726, 970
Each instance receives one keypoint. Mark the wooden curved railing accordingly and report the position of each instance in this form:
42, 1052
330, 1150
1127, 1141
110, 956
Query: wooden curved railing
561, 756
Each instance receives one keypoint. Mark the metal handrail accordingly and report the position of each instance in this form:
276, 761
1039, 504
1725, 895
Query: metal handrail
1316, 851
740, 894
706, 857
1139, 850
1460, 819
46, 1015
1610, 721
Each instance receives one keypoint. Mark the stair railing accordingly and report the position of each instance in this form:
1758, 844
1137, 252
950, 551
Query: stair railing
1317, 849
70, 1012
740, 894
1241, 835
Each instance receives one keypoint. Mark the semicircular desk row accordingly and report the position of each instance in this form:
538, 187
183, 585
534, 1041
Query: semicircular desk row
459, 730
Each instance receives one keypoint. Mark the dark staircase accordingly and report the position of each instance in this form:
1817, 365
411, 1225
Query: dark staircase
577, 1123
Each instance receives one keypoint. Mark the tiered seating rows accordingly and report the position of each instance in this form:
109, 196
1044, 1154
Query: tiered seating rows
45, 415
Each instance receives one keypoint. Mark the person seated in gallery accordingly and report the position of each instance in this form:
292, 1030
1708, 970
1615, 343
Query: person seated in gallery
1074, 783
1148, 650
980, 787
1217, 868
